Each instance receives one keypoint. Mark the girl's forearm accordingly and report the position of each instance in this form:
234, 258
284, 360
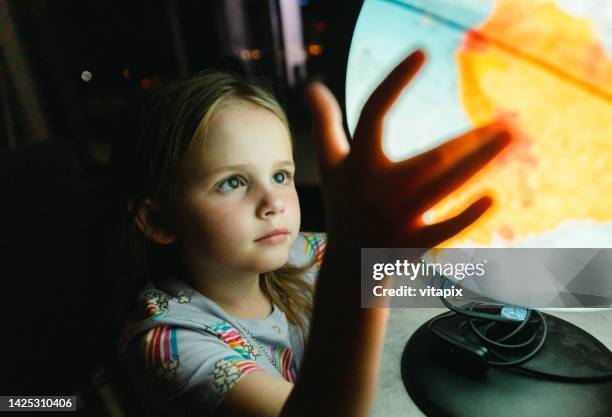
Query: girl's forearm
339, 373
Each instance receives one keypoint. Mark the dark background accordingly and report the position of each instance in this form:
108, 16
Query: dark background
56, 130
131, 45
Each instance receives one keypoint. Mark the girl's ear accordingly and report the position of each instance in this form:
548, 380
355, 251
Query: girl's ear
150, 220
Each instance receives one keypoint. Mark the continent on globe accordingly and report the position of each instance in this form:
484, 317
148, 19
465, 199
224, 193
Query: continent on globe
543, 67
545, 74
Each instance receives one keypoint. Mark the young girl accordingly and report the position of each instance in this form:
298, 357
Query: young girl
228, 323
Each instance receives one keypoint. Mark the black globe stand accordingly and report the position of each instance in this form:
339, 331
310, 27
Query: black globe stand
440, 390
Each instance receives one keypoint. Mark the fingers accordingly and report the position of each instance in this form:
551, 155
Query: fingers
369, 127
331, 142
430, 163
434, 234
471, 153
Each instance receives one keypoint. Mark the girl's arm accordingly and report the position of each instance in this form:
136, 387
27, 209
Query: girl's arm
371, 202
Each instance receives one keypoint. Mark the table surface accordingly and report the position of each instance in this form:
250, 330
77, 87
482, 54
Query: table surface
392, 400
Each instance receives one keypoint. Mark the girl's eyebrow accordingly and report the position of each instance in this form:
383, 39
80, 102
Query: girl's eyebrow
243, 166
285, 163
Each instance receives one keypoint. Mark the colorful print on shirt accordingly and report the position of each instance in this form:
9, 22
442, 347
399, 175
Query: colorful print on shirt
315, 247
282, 357
160, 350
284, 362
230, 370
158, 302
232, 337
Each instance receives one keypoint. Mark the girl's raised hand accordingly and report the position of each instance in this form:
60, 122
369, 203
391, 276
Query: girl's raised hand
374, 202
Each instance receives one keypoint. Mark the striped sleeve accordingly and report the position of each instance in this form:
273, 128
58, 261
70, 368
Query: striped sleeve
309, 247
177, 370
314, 247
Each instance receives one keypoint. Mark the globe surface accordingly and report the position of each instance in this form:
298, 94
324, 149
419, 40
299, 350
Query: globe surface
543, 67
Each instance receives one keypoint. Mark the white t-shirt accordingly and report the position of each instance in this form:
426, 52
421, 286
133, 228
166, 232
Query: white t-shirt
183, 352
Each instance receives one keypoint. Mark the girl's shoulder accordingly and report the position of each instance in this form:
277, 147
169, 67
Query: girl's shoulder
172, 303
180, 354
182, 348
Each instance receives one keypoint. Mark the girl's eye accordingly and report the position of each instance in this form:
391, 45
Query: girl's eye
282, 177
232, 183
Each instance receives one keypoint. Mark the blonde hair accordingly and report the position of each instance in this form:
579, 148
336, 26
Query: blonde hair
166, 124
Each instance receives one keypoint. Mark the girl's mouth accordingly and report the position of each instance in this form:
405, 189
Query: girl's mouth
274, 236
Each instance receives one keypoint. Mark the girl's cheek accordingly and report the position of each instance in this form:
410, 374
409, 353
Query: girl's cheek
203, 217
225, 218
293, 205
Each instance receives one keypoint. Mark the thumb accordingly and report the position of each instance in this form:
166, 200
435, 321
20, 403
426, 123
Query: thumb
330, 139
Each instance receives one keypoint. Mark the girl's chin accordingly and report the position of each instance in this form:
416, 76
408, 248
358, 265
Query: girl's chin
272, 263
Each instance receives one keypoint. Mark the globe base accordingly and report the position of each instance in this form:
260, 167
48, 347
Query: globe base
442, 389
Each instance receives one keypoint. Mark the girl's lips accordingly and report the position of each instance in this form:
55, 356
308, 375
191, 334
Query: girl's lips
275, 236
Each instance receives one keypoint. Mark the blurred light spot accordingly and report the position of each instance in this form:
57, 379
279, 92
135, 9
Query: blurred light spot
428, 217
245, 54
86, 76
255, 54
315, 49
127, 73
149, 83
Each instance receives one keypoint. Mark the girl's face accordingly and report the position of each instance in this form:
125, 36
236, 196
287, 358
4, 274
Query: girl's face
235, 187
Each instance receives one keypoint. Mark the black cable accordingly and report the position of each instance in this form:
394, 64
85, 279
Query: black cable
497, 342
527, 356
475, 314
491, 344
484, 337
537, 325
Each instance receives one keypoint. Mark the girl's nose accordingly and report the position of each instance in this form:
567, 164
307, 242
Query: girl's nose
270, 204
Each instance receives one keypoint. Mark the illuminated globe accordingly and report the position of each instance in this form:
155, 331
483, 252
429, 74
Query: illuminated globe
544, 67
